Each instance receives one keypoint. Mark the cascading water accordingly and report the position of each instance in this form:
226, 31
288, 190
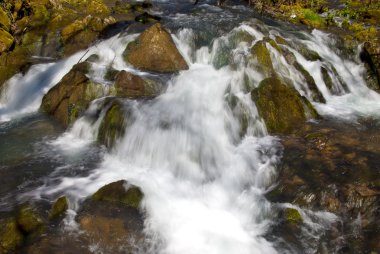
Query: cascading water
203, 178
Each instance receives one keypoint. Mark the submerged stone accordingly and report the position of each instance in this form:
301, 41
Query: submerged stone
113, 124
59, 208
120, 192
281, 107
154, 50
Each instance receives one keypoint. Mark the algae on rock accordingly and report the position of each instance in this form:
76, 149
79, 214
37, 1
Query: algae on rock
281, 107
113, 125
59, 208
10, 236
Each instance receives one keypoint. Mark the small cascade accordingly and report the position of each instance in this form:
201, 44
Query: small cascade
200, 151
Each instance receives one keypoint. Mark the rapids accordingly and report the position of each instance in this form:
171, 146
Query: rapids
204, 183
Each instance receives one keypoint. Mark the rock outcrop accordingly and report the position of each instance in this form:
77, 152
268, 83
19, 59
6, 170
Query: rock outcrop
67, 100
154, 50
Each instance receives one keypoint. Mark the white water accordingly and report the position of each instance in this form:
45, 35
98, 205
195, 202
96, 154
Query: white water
203, 183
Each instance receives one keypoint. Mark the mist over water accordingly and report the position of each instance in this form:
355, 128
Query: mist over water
203, 182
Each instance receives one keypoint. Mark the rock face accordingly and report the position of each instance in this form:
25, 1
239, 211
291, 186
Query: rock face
281, 107
71, 96
132, 86
154, 50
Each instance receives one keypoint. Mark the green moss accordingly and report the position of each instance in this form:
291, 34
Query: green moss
117, 193
40, 14
59, 208
10, 236
28, 220
312, 19
4, 20
293, 216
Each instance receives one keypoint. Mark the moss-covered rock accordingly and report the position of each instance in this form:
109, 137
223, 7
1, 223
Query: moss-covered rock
281, 107
83, 32
28, 220
59, 208
132, 86
113, 125
6, 40
120, 192
293, 216
154, 50
264, 62
10, 236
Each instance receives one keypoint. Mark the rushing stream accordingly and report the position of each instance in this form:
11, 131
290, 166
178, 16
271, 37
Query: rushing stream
203, 181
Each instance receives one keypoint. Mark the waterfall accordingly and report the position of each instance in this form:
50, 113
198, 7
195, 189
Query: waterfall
203, 180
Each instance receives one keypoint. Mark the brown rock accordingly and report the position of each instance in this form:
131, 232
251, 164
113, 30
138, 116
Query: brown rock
154, 50
133, 86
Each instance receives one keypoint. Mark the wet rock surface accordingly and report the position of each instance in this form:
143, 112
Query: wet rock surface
334, 167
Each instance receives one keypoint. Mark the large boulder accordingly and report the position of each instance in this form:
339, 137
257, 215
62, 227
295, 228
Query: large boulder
133, 86
154, 50
67, 100
283, 109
